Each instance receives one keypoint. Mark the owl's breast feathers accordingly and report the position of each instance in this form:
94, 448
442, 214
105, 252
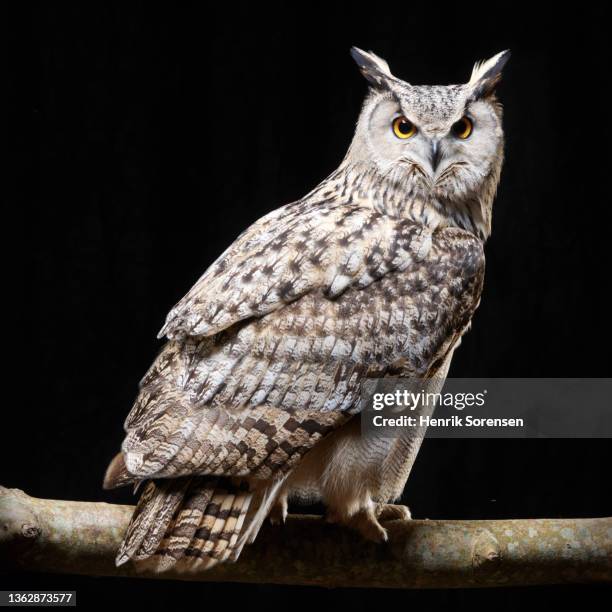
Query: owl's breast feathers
268, 349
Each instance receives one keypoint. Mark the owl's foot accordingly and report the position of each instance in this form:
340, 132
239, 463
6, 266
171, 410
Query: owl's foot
366, 523
278, 512
392, 512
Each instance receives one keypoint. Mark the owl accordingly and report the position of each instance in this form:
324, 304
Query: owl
254, 400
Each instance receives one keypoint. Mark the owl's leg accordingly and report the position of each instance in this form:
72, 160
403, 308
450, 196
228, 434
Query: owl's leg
392, 512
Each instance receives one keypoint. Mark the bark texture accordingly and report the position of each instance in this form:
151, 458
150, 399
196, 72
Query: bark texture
82, 538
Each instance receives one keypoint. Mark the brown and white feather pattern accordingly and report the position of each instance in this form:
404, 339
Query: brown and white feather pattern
253, 397
320, 242
270, 347
376, 272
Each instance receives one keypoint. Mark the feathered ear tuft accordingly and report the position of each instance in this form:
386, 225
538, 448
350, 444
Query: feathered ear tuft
373, 68
486, 75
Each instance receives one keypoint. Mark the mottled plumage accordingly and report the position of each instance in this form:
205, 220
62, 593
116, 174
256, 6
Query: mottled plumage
376, 272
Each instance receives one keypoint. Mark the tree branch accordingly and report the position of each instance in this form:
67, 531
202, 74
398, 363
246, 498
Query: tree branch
82, 538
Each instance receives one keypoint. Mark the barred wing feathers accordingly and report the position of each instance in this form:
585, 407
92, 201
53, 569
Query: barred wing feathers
296, 249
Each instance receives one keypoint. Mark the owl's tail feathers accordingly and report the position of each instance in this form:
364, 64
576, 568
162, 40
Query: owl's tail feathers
193, 523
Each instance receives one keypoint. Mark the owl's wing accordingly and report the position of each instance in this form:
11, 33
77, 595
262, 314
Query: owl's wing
296, 249
253, 399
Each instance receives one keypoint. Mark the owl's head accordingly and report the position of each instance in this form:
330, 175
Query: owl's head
441, 143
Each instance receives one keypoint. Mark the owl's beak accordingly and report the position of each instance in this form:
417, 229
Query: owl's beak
434, 155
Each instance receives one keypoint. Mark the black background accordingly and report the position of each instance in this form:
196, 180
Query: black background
147, 138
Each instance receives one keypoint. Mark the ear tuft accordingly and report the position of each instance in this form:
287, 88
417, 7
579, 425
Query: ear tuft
486, 74
373, 68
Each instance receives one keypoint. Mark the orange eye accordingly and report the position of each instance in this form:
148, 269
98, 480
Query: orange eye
403, 128
462, 128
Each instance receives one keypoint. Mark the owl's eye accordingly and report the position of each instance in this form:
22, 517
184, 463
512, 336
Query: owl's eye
403, 128
462, 128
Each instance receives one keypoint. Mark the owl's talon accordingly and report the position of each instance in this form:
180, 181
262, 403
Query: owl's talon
393, 512
367, 525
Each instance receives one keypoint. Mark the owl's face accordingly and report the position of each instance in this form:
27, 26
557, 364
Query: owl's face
441, 141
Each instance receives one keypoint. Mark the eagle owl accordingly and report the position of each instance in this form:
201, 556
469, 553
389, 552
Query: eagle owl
254, 399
